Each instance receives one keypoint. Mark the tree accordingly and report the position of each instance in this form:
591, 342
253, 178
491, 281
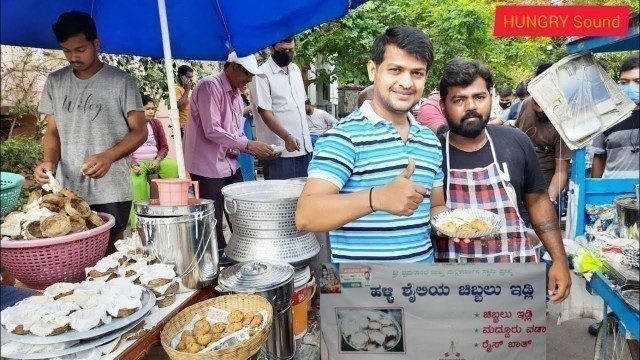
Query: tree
149, 73
458, 28
22, 74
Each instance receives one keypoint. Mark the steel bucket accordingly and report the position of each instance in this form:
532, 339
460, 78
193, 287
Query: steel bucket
273, 281
183, 236
627, 216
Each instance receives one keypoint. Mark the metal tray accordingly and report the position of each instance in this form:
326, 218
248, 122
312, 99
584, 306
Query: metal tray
382, 349
630, 293
490, 217
148, 301
78, 347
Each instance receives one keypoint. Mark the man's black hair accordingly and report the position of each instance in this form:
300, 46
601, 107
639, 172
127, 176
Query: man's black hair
462, 72
146, 99
521, 89
184, 69
630, 62
505, 91
542, 67
307, 102
73, 23
407, 38
288, 40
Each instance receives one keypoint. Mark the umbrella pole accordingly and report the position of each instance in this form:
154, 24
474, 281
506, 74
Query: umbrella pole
173, 102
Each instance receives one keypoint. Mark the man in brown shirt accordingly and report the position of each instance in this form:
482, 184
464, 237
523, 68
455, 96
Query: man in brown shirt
552, 152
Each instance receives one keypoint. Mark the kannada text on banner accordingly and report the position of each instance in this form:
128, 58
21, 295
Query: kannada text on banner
436, 312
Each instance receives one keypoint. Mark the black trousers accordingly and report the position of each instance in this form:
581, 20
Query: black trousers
211, 188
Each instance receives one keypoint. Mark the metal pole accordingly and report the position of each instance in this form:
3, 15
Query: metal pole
173, 102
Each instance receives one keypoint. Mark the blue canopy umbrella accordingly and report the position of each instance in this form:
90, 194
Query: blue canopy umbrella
200, 29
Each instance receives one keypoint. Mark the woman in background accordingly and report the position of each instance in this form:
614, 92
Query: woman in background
150, 158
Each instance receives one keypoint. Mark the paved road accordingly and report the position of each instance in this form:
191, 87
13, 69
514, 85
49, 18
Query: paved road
570, 340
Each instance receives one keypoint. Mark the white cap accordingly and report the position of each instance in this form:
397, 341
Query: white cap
248, 62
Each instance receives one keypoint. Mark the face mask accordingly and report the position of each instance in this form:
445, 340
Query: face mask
632, 91
505, 105
282, 58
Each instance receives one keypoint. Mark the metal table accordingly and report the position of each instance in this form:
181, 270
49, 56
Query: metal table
626, 320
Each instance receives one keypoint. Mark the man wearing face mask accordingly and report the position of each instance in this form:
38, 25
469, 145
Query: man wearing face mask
616, 152
552, 152
505, 97
504, 182
280, 115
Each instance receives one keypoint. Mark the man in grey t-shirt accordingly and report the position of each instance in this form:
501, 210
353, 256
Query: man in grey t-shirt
616, 151
95, 120
319, 121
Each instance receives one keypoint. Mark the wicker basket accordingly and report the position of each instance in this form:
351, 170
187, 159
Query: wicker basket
243, 350
43, 262
10, 186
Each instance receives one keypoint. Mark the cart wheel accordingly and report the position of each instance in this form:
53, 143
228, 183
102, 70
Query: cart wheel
616, 347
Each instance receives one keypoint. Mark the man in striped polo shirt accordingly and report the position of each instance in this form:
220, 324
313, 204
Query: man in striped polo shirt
376, 176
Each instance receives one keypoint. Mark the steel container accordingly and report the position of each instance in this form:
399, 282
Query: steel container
273, 281
262, 214
627, 210
275, 196
297, 251
183, 236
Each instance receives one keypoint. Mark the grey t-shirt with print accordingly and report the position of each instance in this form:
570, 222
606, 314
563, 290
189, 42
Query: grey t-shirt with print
91, 117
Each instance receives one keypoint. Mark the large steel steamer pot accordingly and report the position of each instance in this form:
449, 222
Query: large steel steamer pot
264, 196
183, 236
297, 251
263, 217
273, 281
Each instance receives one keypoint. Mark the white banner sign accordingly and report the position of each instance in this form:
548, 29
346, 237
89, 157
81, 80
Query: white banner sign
433, 311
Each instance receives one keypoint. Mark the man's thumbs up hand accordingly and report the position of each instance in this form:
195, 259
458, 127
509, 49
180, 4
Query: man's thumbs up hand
401, 196
408, 171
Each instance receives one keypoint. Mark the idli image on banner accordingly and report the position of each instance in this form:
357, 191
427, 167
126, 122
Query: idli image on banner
374, 330
438, 312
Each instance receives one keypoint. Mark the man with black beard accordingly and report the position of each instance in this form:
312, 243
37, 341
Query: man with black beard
504, 182
552, 152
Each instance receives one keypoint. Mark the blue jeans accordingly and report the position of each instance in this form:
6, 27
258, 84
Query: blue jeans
314, 138
286, 168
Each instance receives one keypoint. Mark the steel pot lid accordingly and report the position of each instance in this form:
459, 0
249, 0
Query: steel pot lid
264, 190
256, 276
301, 277
152, 208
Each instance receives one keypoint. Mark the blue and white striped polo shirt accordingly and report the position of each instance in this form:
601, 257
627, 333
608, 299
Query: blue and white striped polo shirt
362, 151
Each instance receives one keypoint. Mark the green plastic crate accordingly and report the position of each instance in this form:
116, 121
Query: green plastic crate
10, 186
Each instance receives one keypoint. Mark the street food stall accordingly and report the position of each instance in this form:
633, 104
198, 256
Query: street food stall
615, 277
154, 289
72, 301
